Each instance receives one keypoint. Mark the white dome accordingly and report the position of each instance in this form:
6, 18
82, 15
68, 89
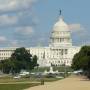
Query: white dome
61, 25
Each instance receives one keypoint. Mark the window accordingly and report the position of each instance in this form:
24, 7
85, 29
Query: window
66, 51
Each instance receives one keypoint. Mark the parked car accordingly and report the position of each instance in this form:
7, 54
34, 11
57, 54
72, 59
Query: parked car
23, 73
17, 77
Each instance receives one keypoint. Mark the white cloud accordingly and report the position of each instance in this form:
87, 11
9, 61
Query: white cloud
20, 7
28, 30
14, 43
2, 39
80, 34
14, 5
8, 20
76, 27
87, 43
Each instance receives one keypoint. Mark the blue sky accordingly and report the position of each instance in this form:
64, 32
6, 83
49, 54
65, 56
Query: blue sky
29, 22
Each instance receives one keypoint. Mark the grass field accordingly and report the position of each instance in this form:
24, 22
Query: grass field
17, 86
12, 84
10, 79
8, 83
25, 80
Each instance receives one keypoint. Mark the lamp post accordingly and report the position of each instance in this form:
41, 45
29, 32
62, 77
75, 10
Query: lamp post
64, 69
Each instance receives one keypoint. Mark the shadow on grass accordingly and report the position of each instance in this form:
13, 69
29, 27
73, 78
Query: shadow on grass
17, 86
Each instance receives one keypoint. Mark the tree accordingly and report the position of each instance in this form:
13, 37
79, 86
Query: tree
20, 59
34, 60
82, 60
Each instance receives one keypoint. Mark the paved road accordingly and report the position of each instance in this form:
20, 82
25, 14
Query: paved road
71, 83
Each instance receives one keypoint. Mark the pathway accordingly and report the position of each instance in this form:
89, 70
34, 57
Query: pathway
71, 83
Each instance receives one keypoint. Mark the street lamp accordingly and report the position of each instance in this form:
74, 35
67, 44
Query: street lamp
65, 69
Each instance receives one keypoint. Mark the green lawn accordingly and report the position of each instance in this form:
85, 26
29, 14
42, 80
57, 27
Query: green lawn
20, 86
27, 82
16, 86
9, 79
8, 83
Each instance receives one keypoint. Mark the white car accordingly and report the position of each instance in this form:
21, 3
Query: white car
17, 77
23, 73
78, 71
59, 77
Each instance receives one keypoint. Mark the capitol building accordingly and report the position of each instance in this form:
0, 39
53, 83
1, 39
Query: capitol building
59, 52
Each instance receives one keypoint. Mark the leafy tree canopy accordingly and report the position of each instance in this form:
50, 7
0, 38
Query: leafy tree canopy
20, 59
82, 59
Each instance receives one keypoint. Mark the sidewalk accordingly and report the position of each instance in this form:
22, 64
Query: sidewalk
71, 83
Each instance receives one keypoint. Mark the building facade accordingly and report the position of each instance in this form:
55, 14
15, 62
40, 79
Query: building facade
60, 50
